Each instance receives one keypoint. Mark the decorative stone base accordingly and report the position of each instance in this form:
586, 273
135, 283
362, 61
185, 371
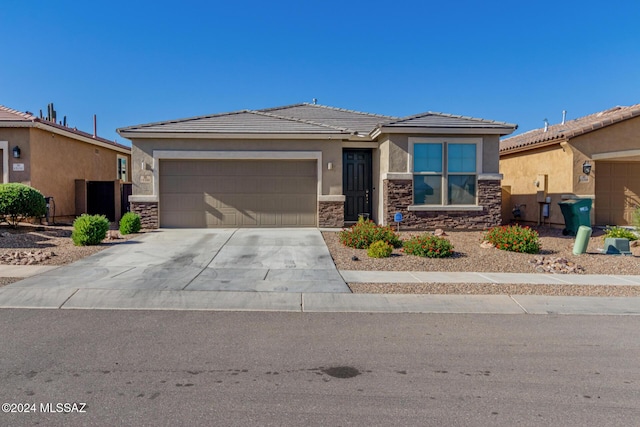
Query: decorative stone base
148, 212
398, 196
331, 214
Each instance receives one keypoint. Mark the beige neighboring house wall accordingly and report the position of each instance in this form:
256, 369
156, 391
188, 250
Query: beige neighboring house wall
609, 138
524, 177
61, 160
53, 157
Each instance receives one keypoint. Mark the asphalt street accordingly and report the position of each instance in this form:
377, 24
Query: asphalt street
173, 368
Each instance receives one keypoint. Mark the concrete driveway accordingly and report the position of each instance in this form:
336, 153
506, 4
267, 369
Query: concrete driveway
253, 260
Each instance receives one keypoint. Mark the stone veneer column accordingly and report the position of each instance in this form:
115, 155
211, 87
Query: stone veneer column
148, 212
398, 196
330, 214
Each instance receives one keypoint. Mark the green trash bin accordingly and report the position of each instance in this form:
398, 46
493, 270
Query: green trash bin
576, 212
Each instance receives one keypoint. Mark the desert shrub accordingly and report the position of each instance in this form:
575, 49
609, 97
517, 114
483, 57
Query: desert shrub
19, 201
428, 245
514, 238
620, 233
380, 249
130, 223
89, 230
365, 232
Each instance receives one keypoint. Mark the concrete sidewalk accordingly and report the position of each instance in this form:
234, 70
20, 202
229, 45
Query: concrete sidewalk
355, 276
123, 299
150, 299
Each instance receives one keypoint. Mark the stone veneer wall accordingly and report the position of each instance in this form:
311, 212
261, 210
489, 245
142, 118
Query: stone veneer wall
398, 196
331, 214
148, 212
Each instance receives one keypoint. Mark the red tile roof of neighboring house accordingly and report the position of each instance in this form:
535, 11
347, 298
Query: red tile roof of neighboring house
569, 129
9, 115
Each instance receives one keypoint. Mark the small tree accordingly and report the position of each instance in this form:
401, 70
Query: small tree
19, 201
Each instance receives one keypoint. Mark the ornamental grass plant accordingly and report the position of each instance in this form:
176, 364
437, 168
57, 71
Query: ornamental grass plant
514, 238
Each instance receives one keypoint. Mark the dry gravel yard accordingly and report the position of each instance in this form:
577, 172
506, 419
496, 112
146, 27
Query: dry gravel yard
469, 256
45, 245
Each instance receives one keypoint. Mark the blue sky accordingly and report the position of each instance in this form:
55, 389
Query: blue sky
142, 61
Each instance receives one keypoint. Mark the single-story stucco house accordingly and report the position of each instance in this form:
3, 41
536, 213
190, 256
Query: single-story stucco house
595, 157
78, 172
309, 165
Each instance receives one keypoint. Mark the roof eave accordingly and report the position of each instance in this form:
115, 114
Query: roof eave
533, 146
68, 133
131, 134
421, 130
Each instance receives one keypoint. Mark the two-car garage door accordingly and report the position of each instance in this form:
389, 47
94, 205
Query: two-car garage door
238, 193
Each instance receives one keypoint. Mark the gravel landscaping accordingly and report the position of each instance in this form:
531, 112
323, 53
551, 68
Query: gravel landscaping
470, 256
52, 245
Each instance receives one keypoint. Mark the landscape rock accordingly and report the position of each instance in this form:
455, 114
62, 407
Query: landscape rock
556, 265
486, 244
25, 257
439, 232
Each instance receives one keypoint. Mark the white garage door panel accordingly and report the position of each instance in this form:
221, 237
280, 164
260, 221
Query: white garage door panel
238, 193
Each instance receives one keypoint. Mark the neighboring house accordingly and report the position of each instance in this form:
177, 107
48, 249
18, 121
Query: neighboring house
308, 165
595, 157
71, 166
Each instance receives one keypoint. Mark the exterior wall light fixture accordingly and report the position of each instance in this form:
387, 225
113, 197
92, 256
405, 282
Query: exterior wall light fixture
586, 167
16, 152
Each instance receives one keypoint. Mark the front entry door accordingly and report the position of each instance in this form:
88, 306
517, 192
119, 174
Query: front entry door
356, 183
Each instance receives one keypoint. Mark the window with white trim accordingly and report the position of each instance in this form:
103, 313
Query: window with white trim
445, 172
122, 168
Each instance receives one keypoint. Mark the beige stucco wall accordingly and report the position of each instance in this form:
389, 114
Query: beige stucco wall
57, 161
18, 137
398, 147
521, 172
142, 151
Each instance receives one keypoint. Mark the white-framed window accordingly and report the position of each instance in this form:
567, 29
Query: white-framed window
445, 171
122, 168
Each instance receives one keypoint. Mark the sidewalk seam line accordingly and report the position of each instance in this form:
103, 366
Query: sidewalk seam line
519, 305
621, 277
561, 280
488, 278
122, 272
209, 263
67, 300
416, 277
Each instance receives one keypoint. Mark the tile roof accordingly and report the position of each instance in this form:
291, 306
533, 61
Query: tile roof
441, 120
570, 128
245, 121
352, 121
9, 116
307, 119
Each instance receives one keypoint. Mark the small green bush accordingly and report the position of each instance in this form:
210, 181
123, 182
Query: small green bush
380, 249
620, 233
428, 245
89, 230
130, 223
19, 201
365, 232
514, 238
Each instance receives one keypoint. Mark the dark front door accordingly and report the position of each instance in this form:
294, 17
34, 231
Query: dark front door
356, 183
